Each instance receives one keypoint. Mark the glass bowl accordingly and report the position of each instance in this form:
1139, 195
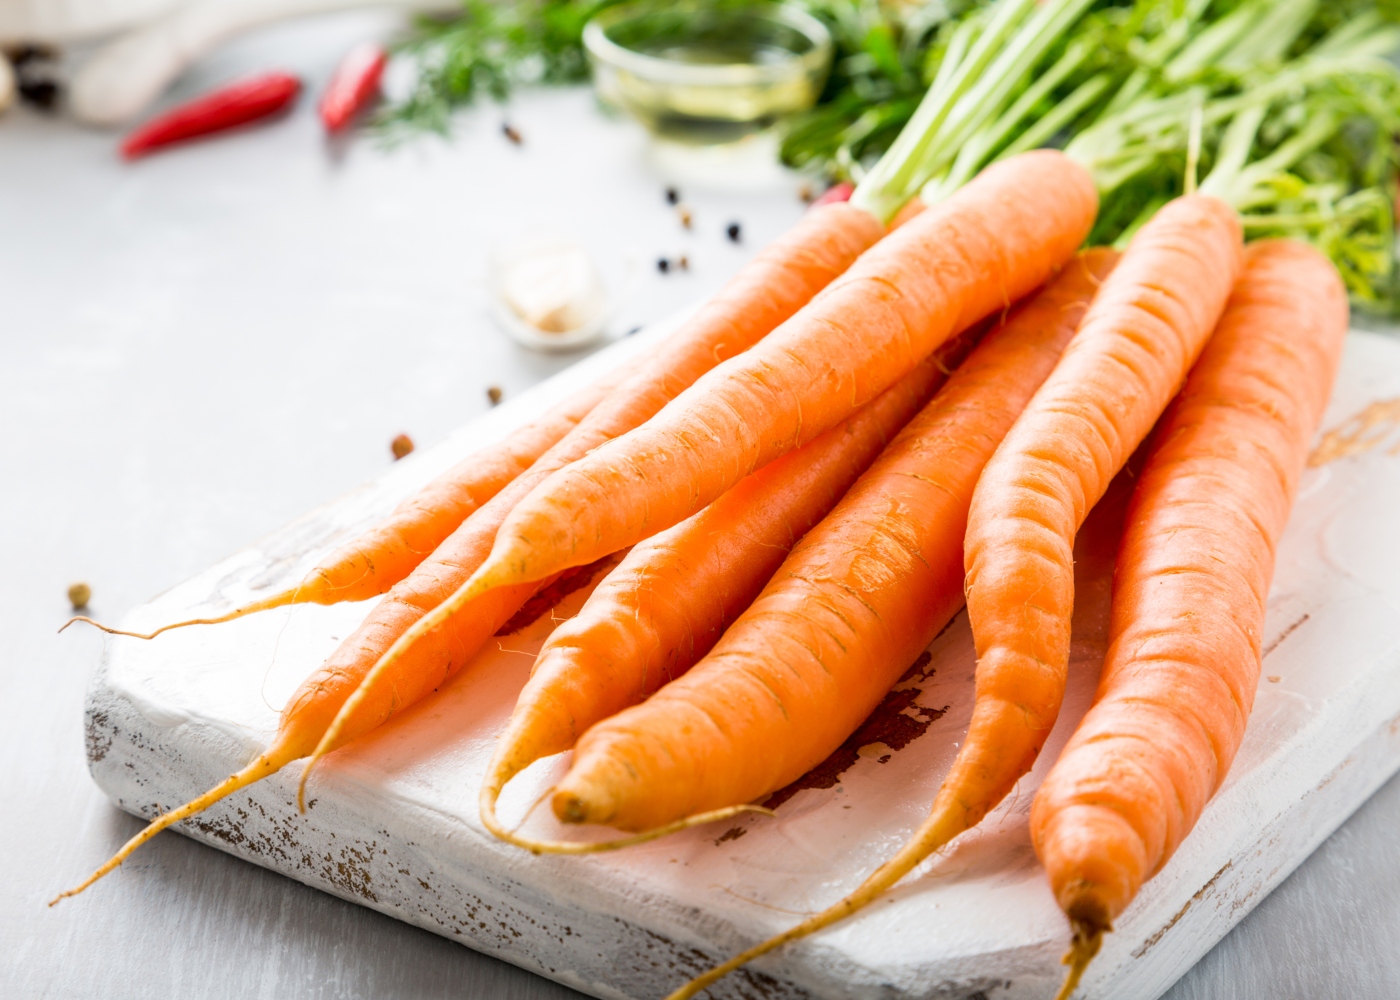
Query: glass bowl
707, 73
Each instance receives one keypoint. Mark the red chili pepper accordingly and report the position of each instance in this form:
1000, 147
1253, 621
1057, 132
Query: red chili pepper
236, 104
354, 85
837, 192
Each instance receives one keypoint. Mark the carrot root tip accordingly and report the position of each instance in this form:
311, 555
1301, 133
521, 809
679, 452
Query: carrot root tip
1083, 947
266, 604
538, 847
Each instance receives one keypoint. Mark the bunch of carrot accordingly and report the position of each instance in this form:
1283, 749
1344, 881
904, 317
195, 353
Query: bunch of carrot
872, 424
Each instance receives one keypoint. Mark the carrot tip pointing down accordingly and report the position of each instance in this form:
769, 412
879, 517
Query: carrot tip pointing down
491, 791
1082, 949
260, 768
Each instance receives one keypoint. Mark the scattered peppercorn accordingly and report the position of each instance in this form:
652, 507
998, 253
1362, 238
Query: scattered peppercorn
42, 94
683, 263
512, 133
673, 197
78, 595
685, 216
494, 394
36, 75
806, 193
663, 265
733, 232
401, 446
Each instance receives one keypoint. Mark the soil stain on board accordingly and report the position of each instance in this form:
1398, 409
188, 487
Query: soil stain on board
896, 722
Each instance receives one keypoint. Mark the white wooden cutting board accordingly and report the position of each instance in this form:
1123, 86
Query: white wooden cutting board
394, 823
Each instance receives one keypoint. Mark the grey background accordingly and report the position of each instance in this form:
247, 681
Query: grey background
198, 348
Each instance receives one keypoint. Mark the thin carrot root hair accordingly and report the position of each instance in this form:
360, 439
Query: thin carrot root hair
491, 793
1082, 949
271, 761
278, 600
936, 831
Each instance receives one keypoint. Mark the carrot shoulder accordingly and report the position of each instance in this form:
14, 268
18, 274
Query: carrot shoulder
673, 596
1135, 346
854, 603
1190, 587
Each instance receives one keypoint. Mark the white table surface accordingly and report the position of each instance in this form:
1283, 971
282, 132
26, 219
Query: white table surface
197, 348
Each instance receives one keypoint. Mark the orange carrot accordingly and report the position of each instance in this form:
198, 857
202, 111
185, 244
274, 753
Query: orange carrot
371, 563
342, 700
1189, 595
854, 603
995, 240
770, 288
1136, 345
669, 601
1136, 342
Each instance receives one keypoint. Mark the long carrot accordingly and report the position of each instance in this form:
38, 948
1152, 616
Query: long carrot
342, 700
853, 604
371, 563
674, 595
1136, 343
784, 276
1189, 595
991, 243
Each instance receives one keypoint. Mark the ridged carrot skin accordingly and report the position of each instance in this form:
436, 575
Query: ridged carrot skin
344, 699
852, 606
1144, 330
674, 595
1137, 342
377, 673
997, 239
1190, 587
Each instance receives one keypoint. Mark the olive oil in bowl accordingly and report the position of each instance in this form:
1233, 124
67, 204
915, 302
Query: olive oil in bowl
708, 73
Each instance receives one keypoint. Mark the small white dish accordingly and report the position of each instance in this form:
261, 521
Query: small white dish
549, 294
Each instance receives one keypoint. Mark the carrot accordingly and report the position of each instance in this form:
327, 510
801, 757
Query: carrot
1136, 343
342, 700
371, 563
772, 287
994, 241
674, 595
1189, 595
853, 604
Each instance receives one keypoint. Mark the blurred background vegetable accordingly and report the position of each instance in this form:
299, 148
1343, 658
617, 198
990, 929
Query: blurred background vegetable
1323, 105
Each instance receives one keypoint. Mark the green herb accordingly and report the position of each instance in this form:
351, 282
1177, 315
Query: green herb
1299, 113
486, 50
882, 64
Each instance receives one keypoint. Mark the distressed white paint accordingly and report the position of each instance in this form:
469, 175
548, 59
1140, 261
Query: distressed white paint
394, 821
